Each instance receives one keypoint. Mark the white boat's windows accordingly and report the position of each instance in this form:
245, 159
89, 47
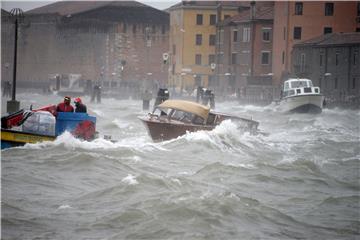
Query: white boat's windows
299, 84
316, 90
291, 92
307, 90
298, 91
287, 86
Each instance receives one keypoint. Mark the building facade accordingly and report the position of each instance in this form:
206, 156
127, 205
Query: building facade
193, 31
246, 49
119, 44
332, 61
299, 21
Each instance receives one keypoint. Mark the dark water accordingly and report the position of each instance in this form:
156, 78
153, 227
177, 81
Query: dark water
299, 182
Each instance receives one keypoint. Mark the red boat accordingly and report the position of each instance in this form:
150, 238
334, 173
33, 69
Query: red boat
174, 118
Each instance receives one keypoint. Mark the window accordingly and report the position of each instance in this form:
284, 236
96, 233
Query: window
199, 19
211, 58
321, 60
329, 9
235, 36
163, 29
212, 19
174, 49
226, 16
212, 38
302, 62
198, 39
297, 33
234, 58
298, 8
134, 29
284, 33
354, 83
265, 58
220, 36
355, 58
198, 59
358, 9
283, 57
327, 30
336, 59
266, 34
211, 80
220, 58
246, 34
124, 28
198, 80
357, 30
335, 83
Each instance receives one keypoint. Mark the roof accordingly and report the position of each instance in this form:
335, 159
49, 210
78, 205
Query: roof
348, 38
187, 106
4, 13
73, 7
297, 79
264, 11
207, 4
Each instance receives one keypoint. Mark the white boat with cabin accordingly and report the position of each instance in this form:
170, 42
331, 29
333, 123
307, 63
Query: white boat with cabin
300, 96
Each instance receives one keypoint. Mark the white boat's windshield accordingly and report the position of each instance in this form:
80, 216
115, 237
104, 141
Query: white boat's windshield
300, 84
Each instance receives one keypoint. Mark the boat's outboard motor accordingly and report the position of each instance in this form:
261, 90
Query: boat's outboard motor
162, 95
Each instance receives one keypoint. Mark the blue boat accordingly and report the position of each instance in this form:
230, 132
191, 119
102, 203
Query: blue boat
44, 124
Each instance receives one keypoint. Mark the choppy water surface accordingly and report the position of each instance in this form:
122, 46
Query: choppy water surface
299, 182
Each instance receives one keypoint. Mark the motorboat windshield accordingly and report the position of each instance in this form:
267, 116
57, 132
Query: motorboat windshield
297, 83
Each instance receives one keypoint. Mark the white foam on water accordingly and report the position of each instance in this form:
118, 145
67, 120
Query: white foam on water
122, 124
130, 180
69, 141
98, 112
65, 206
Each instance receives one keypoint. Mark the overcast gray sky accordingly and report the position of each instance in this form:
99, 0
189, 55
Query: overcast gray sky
27, 5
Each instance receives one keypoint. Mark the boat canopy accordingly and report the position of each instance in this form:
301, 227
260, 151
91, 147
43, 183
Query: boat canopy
187, 106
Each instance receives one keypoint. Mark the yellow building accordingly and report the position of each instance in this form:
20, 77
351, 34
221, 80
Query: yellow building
193, 41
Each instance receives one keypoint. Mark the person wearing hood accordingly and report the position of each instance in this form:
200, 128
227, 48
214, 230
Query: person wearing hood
79, 106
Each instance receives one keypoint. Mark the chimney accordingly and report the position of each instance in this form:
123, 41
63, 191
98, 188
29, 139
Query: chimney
252, 10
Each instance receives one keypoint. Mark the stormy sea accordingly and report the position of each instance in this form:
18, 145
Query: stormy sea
300, 180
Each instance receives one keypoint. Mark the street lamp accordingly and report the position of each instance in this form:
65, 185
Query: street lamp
13, 105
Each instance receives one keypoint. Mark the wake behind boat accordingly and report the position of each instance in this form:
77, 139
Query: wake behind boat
174, 118
300, 96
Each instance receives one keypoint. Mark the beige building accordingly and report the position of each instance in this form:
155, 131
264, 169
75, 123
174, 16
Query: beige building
192, 39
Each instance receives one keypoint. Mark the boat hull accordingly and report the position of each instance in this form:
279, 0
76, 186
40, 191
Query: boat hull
12, 138
165, 130
302, 104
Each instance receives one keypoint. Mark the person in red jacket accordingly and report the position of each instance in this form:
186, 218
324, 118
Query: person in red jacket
65, 106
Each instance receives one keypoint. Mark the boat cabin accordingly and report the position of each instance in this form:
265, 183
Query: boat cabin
303, 86
182, 111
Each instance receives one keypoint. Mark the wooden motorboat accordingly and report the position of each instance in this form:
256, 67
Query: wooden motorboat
174, 118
